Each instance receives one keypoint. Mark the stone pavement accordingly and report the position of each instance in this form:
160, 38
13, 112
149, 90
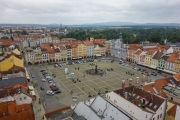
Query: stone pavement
39, 109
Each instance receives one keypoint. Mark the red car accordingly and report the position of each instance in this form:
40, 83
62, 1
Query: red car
52, 86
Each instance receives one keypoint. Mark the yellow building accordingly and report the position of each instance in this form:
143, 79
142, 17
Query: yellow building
74, 50
170, 111
97, 50
10, 62
82, 50
177, 65
149, 54
63, 54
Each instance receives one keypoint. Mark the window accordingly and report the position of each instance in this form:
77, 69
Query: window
20, 99
25, 98
158, 117
146, 116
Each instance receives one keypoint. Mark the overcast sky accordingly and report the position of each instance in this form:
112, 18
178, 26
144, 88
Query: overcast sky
89, 11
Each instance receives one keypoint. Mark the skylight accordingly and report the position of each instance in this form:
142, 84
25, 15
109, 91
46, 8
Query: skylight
150, 104
155, 90
155, 106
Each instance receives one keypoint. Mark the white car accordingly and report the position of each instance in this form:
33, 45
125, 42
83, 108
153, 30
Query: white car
126, 65
48, 77
49, 92
43, 80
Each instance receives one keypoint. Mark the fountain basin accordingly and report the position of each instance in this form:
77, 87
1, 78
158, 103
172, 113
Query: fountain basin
95, 72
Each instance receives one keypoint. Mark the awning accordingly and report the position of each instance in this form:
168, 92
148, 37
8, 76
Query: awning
98, 55
31, 87
32, 93
74, 58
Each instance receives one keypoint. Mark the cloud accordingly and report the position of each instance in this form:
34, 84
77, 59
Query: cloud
89, 11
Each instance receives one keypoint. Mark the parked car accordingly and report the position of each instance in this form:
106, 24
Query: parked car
54, 89
154, 73
52, 86
49, 92
43, 80
58, 91
41, 88
48, 77
51, 81
126, 65
42, 70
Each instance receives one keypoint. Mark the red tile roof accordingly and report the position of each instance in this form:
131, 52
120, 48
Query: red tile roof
177, 76
62, 47
173, 57
158, 84
138, 52
50, 51
6, 42
73, 44
45, 45
55, 37
151, 51
89, 43
134, 46
172, 111
11, 111
99, 41
67, 39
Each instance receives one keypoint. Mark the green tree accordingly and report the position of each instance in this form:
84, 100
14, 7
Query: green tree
11, 31
4, 37
12, 38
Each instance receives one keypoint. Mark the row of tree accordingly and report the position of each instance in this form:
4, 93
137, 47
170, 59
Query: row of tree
130, 35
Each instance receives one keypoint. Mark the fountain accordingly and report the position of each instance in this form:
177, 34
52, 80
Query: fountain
95, 71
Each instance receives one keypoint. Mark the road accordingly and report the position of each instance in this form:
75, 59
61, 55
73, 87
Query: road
49, 102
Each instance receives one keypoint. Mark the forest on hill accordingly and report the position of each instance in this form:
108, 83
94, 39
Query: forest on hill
130, 35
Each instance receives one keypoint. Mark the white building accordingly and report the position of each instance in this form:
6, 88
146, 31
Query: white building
45, 55
118, 49
32, 55
69, 52
138, 103
99, 109
19, 95
90, 48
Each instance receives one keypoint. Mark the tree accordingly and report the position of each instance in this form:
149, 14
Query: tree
12, 38
24, 32
4, 37
11, 31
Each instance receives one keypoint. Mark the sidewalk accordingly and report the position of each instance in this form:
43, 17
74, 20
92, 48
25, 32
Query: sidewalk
39, 109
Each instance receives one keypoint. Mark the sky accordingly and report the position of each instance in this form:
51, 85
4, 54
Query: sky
71, 12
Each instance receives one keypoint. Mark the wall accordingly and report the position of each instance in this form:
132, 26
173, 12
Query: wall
24, 99
7, 98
